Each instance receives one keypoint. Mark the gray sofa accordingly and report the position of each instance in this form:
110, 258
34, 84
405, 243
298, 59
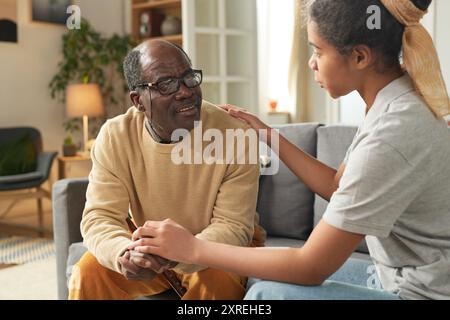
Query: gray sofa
288, 209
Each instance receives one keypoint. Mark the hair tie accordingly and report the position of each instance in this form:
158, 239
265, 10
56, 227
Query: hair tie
420, 56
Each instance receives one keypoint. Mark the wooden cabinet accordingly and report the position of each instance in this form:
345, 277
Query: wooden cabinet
74, 167
278, 117
148, 16
220, 37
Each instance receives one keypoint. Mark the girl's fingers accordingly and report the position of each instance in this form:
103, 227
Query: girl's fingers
148, 250
247, 117
147, 261
153, 224
144, 232
229, 107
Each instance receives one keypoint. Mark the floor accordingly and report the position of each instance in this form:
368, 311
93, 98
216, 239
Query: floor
21, 220
30, 281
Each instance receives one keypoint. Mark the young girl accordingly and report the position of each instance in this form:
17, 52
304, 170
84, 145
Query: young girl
392, 187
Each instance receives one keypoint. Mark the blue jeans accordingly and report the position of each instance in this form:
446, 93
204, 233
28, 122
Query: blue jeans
355, 280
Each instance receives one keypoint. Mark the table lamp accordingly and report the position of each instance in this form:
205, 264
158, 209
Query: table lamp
84, 100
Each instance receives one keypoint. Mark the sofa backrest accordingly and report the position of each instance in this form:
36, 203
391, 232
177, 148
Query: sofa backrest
285, 204
69, 197
332, 144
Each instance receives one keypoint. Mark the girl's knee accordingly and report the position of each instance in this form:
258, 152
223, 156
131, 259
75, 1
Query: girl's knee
262, 290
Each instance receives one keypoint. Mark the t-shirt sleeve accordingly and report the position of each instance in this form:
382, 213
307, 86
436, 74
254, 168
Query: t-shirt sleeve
377, 186
346, 156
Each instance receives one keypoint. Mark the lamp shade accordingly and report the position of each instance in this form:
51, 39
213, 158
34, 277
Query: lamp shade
84, 100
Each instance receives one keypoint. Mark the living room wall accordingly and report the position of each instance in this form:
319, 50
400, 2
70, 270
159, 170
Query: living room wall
27, 67
442, 39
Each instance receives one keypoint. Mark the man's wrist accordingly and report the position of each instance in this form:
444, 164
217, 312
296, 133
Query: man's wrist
197, 249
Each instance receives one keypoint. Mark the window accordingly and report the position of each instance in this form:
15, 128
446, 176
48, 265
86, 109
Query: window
275, 35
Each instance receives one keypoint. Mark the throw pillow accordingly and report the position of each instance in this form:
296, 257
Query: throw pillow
18, 156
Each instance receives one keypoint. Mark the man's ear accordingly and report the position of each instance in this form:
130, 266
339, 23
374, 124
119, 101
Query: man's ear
362, 56
136, 99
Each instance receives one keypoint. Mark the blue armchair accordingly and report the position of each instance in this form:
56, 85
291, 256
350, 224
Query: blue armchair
14, 187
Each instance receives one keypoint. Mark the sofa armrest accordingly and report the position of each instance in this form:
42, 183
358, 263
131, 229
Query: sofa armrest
69, 197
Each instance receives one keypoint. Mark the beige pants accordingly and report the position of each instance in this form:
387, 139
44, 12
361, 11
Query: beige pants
91, 281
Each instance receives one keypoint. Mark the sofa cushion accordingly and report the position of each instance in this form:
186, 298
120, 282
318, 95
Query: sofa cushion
76, 251
285, 204
18, 156
284, 242
332, 145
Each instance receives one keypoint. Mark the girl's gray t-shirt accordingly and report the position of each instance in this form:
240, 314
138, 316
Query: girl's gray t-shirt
395, 189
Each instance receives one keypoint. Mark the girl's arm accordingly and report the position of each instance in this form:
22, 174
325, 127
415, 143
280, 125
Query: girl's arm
319, 177
325, 251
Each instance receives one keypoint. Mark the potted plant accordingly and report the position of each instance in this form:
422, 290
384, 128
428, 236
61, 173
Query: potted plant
89, 57
69, 148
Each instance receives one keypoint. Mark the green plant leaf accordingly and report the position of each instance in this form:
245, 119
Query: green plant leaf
89, 57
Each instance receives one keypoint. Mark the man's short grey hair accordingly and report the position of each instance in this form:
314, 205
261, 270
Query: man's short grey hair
132, 68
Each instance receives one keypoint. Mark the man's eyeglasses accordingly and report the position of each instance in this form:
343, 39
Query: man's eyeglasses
169, 86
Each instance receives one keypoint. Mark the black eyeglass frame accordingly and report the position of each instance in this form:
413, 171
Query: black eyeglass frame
156, 85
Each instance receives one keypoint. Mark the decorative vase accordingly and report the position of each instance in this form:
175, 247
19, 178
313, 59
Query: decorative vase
273, 105
144, 27
171, 25
150, 24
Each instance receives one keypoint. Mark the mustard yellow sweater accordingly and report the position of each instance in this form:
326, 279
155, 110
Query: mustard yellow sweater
131, 171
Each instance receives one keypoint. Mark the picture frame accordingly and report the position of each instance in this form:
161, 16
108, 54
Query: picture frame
52, 12
8, 21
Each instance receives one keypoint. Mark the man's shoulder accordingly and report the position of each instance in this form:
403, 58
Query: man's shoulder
214, 117
131, 120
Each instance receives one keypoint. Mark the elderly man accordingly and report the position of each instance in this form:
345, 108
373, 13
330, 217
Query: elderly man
133, 171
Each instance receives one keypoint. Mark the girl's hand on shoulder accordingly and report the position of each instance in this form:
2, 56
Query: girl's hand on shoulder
245, 116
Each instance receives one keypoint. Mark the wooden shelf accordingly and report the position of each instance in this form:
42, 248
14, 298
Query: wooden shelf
74, 167
279, 117
157, 8
156, 4
171, 38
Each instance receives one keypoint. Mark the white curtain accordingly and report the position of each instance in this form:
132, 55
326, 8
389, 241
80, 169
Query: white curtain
275, 32
298, 67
